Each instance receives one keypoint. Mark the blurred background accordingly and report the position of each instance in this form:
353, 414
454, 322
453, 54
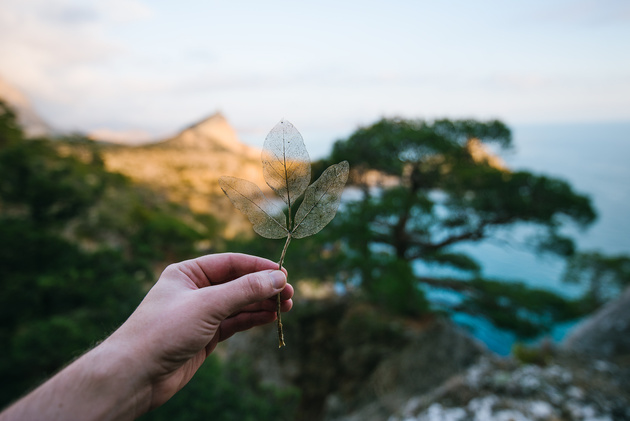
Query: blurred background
484, 228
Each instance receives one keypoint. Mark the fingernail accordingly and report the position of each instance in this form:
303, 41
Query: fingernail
278, 280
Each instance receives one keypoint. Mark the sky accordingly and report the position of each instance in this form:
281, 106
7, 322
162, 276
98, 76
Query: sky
155, 67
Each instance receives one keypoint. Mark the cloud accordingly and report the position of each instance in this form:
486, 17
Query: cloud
121, 64
41, 39
588, 12
75, 14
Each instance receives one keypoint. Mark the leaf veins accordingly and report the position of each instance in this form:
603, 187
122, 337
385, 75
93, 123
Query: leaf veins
267, 218
321, 201
286, 164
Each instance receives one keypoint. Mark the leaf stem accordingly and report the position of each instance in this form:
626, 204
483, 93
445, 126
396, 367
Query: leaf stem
278, 300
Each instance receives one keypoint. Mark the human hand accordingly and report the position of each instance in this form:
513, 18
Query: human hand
194, 305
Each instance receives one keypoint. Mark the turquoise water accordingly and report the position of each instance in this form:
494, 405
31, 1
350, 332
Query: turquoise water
595, 159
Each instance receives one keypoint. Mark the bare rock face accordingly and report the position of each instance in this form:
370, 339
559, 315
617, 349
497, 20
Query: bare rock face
605, 334
352, 362
587, 378
213, 134
186, 168
494, 389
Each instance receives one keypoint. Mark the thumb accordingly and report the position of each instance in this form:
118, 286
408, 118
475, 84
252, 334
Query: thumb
230, 297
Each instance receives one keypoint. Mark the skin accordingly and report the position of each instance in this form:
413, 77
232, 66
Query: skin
194, 305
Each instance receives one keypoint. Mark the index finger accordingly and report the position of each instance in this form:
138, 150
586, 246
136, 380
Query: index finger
216, 269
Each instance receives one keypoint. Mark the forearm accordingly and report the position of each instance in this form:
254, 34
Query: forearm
103, 384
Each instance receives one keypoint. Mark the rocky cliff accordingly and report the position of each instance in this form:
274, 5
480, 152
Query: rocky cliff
351, 361
564, 388
586, 378
187, 167
606, 334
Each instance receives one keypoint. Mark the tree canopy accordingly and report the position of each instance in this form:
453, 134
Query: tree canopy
78, 245
427, 187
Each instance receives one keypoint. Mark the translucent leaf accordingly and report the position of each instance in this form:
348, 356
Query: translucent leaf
286, 164
268, 219
321, 201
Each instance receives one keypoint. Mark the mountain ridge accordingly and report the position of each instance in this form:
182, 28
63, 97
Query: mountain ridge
210, 133
187, 166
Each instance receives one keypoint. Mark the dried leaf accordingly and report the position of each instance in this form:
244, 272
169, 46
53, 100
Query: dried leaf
286, 164
268, 219
287, 170
321, 201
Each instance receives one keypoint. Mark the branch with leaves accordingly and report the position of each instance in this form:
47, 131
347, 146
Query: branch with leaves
287, 170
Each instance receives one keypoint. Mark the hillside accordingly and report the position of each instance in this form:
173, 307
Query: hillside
353, 362
187, 167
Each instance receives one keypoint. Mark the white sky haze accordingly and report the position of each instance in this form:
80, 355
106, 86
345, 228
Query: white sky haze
326, 66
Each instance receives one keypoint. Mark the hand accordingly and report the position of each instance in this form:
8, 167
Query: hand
193, 306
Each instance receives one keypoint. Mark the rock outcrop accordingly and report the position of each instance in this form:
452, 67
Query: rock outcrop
187, 167
567, 388
352, 362
586, 378
605, 334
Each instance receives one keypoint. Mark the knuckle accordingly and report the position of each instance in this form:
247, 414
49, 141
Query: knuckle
256, 284
171, 269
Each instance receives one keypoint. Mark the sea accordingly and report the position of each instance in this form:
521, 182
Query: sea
595, 159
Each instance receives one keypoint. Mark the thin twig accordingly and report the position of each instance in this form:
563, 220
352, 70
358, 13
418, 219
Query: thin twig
278, 300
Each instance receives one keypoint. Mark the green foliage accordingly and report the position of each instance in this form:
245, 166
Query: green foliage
365, 325
439, 193
605, 276
77, 247
396, 290
46, 187
158, 235
10, 131
429, 186
538, 355
57, 301
390, 145
228, 391
515, 306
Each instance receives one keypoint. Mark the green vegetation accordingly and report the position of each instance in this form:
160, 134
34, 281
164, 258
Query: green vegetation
421, 189
539, 355
426, 187
228, 391
605, 276
78, 249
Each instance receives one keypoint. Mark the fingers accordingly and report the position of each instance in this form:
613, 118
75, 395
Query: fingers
246, 320
229, 297
219, 268
267, 305
270, 304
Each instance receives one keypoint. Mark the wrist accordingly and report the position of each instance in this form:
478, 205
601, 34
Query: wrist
121, 373
109, 384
